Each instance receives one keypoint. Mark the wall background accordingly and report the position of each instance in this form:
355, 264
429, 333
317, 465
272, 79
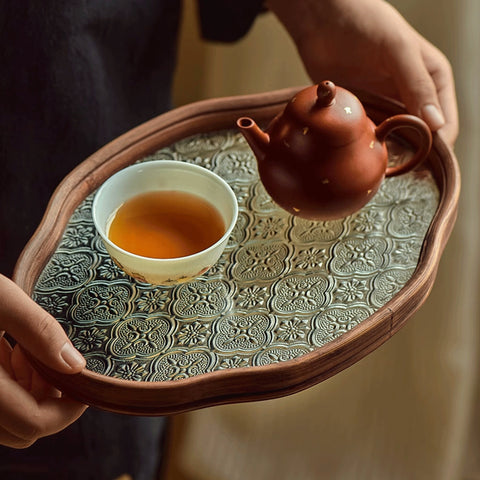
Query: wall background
264, 60
409, 410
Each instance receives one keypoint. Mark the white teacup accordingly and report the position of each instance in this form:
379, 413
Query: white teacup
172, 176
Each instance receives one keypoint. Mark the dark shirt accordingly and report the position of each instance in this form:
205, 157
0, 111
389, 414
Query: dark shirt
75, 74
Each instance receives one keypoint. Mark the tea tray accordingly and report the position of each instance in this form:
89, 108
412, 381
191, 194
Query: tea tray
290, 303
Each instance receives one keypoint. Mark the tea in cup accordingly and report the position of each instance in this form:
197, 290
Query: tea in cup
165, 222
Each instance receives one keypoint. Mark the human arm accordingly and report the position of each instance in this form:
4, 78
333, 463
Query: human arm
367, 44
30, 408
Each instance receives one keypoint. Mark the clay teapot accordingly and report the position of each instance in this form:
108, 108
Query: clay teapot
322, 158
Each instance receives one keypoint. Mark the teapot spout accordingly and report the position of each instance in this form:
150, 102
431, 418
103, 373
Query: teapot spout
255, 136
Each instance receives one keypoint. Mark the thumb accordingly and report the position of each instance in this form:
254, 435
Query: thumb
36, 330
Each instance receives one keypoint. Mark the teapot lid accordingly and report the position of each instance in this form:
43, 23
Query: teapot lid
333, 114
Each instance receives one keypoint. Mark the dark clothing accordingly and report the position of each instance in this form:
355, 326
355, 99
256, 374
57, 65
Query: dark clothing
99, 446
75, 74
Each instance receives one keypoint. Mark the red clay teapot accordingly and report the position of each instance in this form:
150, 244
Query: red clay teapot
323, 158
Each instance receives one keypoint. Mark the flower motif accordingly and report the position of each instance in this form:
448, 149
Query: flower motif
233, 362
311, 258
351, 290
91, 339
252, 296
77, 235
109, 270
130, 371
407, 252
268, 227
367, 221
192, 334
236, 165
153, 300
53, 303
202, 161
292, 329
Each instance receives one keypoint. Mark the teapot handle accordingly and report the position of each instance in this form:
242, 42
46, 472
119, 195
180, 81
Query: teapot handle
406, 121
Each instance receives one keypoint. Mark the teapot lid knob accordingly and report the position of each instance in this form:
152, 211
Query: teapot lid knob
326, 92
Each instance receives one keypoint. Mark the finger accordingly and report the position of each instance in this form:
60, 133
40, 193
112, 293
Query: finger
415, 85
22, 369
26, 418
36, 330
29, 378
18, 368
41, 389
442, 75
5, 354
9, 440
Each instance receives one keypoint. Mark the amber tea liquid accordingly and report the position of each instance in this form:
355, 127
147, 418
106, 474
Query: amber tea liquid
166, 224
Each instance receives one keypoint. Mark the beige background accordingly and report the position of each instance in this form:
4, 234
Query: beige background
409, 410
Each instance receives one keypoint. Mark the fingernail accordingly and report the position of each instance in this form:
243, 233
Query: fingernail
433, 116
72, 357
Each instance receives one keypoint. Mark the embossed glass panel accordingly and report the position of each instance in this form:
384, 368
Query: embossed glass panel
283, 287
